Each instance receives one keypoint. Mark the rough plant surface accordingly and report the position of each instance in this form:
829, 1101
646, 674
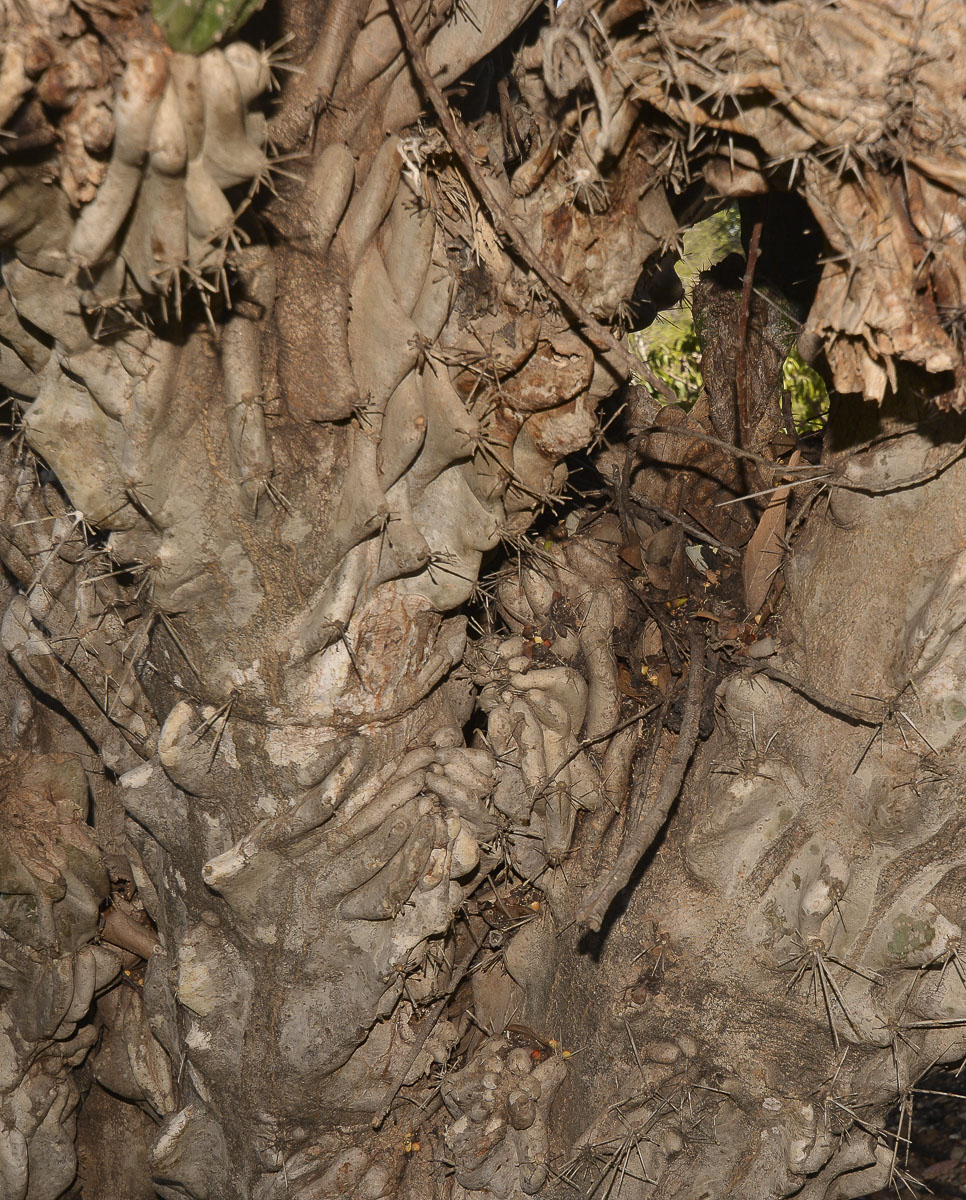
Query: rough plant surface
355, 842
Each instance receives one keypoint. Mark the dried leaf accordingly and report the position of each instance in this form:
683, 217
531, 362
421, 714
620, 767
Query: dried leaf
766, 550
626, 685
651, 641
657, 576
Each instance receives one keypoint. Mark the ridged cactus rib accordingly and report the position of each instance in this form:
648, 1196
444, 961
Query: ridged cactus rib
185, 132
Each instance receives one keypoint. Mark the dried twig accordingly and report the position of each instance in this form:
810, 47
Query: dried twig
638, 839
820, 699
741, 362
832, 474
599, 334
898, 485
689, 431
426, 1027
649, 506
772, 490
587, 742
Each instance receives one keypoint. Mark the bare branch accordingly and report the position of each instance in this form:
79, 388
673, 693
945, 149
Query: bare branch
599, 334
643, 834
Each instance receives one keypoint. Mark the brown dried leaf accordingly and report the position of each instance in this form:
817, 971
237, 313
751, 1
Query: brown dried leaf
766, 550
657, 576
662, 679
651, 641
626, 685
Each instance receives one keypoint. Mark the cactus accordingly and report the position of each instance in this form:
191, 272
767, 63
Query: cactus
321, 770
194, 28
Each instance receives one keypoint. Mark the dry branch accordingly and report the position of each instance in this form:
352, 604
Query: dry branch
741, 375
601, 337
638, 839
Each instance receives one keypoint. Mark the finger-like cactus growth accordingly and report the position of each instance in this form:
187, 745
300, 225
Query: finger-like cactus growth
815, 878
53, 883
291, 378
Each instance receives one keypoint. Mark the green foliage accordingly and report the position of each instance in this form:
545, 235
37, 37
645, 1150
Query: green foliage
193, 26
708, 242
670, 347
808, 394
676, 360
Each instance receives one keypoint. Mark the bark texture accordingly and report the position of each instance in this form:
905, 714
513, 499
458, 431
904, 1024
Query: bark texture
301, 874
